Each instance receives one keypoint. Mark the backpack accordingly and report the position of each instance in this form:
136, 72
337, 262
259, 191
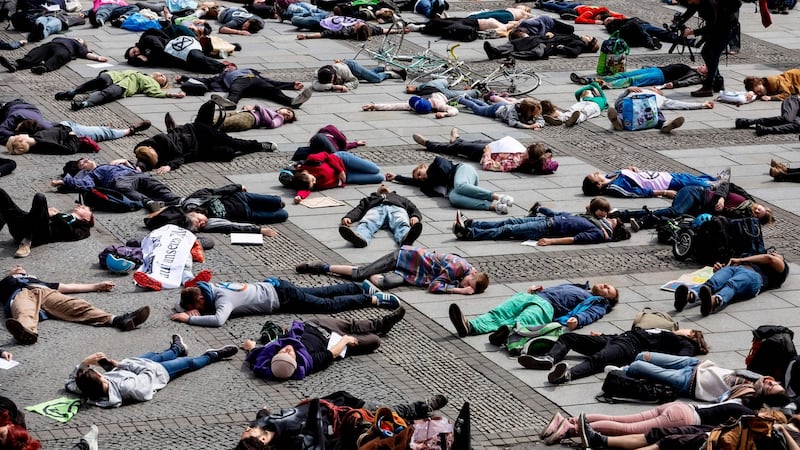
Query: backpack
536, 340
719, 239
746, 433
647, 318
133, 254
618, 387
771, 351
105, 199
613, 54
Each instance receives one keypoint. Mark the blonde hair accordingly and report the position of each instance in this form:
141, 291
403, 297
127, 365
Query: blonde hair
18, 144
421, 167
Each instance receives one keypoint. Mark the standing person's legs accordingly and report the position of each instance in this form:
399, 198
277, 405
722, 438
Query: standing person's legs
363, 330
263, 208
70, 309
96, 133
466, 193
507, 313
328, 299
711, 53
360, 171
472, 150
375, 75
374, 219
398, 221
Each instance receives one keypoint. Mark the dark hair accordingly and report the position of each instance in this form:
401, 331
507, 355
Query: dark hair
517, 34
750, 83
620, 233
326, 74
699, 342
255, 26
600, 203
589, 188
301, 182
9, 408
529, 109
90, 384
212, 13
71, 168
363, 33
189, 297
251, 443
294, 115
481, 282
28, 126
602, 15
548, 107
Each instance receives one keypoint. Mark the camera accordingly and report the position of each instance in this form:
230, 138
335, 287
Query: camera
678, 26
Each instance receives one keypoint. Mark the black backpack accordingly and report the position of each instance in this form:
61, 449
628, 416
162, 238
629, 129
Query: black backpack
711, 241
618, 387
771, 351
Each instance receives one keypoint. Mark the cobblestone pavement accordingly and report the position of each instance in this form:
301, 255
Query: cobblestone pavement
421, 356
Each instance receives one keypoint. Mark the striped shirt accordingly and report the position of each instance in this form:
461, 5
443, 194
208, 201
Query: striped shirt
438, 272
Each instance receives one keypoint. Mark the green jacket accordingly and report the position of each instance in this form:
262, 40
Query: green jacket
135, 82
601, 100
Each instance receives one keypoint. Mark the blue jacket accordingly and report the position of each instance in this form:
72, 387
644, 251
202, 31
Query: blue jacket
588, 311
103, 175
575, 300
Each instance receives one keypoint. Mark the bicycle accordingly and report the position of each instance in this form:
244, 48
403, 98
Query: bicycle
388, 52
506, 77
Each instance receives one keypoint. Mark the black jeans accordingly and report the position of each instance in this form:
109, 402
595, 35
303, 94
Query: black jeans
52, 54
711, 53
137, 187
102, 90
215, 145
260, 87
385, 265
363, 330
327, 299
196, 61
471, 150
33, 225
600, 351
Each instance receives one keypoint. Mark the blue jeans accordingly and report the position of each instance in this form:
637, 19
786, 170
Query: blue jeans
648, 76
307, 22
443, 86
681, 180
303, 9
688, 200
327, 299
675, 371
95, 133
51, 24
559, 6
466, 193
360, 171
393, 217
107, 13
374, 75
513, 227
480, 108
263, 208
734, 283
177, 366
426, 7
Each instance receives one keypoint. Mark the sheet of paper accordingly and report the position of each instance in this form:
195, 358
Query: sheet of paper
531, 243
335, 338
5, 365
695, 278
321, 202
247, 238
506, 145
100, 65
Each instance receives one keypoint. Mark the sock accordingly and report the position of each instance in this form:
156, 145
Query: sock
326, 268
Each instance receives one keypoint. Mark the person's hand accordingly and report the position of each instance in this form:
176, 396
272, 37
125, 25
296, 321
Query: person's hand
670, 193
595, 333
572, 323
766, 98
102, 59
193, 312
301, 36
467, 290
104, 286
635, 89
268, 232
549, 35
346, 222
93, 358
248, 345
178, 78
440, 115
180, 94
163, 169
389, 176
413, 220
709, 104
350, 340
544, 242
298, 85
7, 356
361, 143
718, 266
121, 162
668, 85
52, 211
244, 188
719, 205
598, 22
688, 31
342, 178
243, 33
297, 199
57, 183
734, 261
180, 317
341, 88
633, 169
535, 288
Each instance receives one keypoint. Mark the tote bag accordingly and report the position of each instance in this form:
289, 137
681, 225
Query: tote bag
639, 112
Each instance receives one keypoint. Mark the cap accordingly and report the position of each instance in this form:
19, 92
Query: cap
283, 366
419, 104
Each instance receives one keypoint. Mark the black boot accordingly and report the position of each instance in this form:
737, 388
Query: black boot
743, 123
385, 323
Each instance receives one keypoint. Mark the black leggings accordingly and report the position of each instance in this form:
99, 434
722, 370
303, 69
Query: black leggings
33, 225
471, 150
260, 87
52, 54
600, 351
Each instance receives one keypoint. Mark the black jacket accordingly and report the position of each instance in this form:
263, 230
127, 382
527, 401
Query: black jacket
175, 147
441, 173
375, 199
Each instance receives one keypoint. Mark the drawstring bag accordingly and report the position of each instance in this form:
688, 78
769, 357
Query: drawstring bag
613, 54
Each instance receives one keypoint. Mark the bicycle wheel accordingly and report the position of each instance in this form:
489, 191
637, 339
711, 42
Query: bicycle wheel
392, 42
515, 83
443, 71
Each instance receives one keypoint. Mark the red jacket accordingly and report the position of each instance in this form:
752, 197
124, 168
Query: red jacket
587, 14
327, 171
337, 137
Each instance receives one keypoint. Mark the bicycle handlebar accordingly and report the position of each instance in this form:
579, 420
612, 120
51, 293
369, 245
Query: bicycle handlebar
452, 50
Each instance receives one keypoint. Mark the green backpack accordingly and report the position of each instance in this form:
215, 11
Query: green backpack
536, 340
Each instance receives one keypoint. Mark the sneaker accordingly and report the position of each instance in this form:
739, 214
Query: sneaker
131, 320
76, 105
553, 426
313, 267
301, 98
553, 121
268, 146
39, 69
23, 335
703, 92
179, 345
453, 134
681, 297
413, 234
575, 78
672, 124
573, 119
463, 328
559, 434
500, 207
560, 373
419, 139
436, 402
500, 336
140, 126
352, 237
155, 205
610, 368
460, 231
24, 249
402, 73
534, 210
724, 174
544, 362
218, 354
89, 440
635, 225
613, 117
491, 51
204, 275
369, 288
64, 95
388, 301
589, 438
388, 321
11, 66
223, 102
144, 280
743, 123
761, 130
507, 199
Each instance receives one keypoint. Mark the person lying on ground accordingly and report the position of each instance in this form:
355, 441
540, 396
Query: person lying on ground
602, 350
635, 182
436, 102
65, 137
240, 83
237, 20
572, 305
639, 33
337, 27
737, 280
661, 123
382, 209
138, 379
514, 13
591, 15
457, 182
172, 46
671, 76
551, 228
440, 273
525, 113
776, 87
343, 76
534, 159
114, 85
109, 10
25, 298
542, 26
42, 224
591, 102
330, 170
211, 304
309, 347
542, 47
232, 203
787, 123
257, 117
780, 172
443, 86
285, 430
51, 56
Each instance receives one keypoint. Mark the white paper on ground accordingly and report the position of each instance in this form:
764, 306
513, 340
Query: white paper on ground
5, 365
335, 338
247, 238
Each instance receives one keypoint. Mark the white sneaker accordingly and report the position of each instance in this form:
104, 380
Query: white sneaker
506, 199
500, 208
90, 438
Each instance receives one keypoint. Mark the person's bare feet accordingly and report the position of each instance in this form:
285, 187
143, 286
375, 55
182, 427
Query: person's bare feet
453, 134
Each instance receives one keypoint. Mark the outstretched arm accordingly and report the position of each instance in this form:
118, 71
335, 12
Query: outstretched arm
77, 288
